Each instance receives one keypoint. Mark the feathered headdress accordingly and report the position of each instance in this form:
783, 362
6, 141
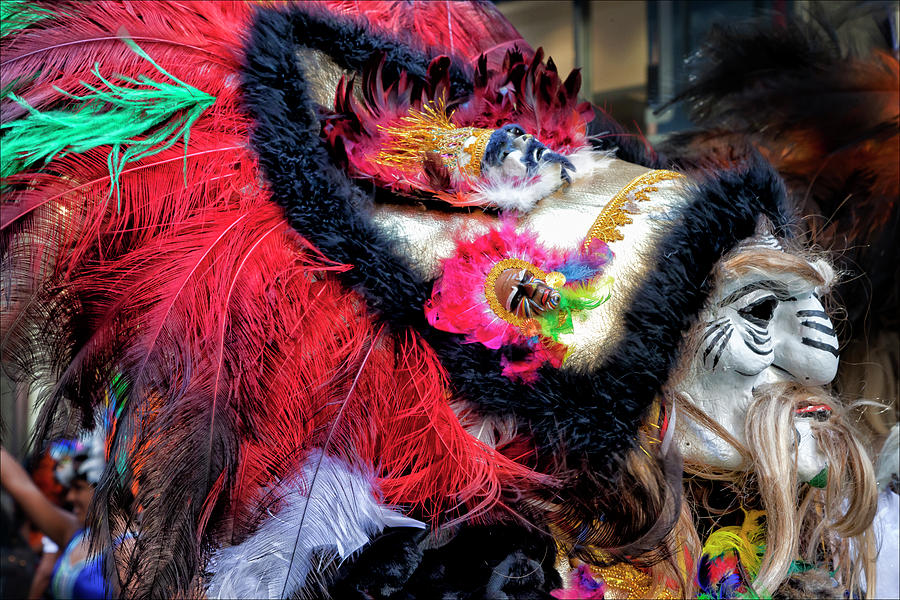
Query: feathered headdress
213, 248
412, 136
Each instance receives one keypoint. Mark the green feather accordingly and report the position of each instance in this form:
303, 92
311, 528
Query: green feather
136, 120
16, 15
584, 297
799, 566
820, 480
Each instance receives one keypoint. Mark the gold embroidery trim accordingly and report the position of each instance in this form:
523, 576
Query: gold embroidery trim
491, 294
630, 582
477, 149
431, 130
615, 215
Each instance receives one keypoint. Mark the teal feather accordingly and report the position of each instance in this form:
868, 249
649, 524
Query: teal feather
16, 15
136, 120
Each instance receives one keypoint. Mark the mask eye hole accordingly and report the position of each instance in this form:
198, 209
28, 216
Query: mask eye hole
517, 291
515, 298
760, 312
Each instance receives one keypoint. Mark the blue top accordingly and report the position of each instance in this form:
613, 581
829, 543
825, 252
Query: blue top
81, 581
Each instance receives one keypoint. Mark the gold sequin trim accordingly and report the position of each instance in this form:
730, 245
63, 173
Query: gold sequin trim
615, 214
627, 581
431, 130
491, 294
477, 151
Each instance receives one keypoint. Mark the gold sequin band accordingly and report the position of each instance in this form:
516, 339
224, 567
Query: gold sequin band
615, 214
430, 130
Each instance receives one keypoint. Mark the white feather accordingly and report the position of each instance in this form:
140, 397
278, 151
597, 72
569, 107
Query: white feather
340, 516
498, 188
887, 467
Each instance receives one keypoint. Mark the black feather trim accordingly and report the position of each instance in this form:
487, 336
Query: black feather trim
594, 413
605, 133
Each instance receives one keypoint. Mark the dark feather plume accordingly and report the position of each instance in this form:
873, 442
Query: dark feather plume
826, 114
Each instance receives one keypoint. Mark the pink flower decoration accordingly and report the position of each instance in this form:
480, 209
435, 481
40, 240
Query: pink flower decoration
458, 303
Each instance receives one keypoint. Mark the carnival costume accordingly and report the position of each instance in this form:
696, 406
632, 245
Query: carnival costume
815, 92
361, 269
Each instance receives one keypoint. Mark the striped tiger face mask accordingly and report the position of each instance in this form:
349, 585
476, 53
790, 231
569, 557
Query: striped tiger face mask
765, 324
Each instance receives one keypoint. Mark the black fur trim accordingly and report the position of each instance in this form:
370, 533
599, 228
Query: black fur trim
594, 413
320, 201
478, 563
352, 45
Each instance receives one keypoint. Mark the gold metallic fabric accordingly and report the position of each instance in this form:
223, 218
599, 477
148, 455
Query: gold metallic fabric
562, 220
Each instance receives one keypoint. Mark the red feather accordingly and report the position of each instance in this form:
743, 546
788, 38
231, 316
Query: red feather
531, 93
464, 30
240, 350
63, 50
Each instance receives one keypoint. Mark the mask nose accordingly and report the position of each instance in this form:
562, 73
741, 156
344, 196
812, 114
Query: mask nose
541, 294
806, 346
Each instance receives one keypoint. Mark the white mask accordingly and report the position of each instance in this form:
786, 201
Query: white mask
761, 327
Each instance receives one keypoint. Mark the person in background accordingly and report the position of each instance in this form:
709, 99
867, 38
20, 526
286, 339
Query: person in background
77, 574
40, 583
45, 477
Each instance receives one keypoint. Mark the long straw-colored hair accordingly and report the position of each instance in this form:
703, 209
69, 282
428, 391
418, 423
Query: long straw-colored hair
801, 521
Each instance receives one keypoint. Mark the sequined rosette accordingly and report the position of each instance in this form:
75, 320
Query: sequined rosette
504, 288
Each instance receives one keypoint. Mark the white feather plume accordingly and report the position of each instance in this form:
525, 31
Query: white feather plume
340, 515
507, 192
